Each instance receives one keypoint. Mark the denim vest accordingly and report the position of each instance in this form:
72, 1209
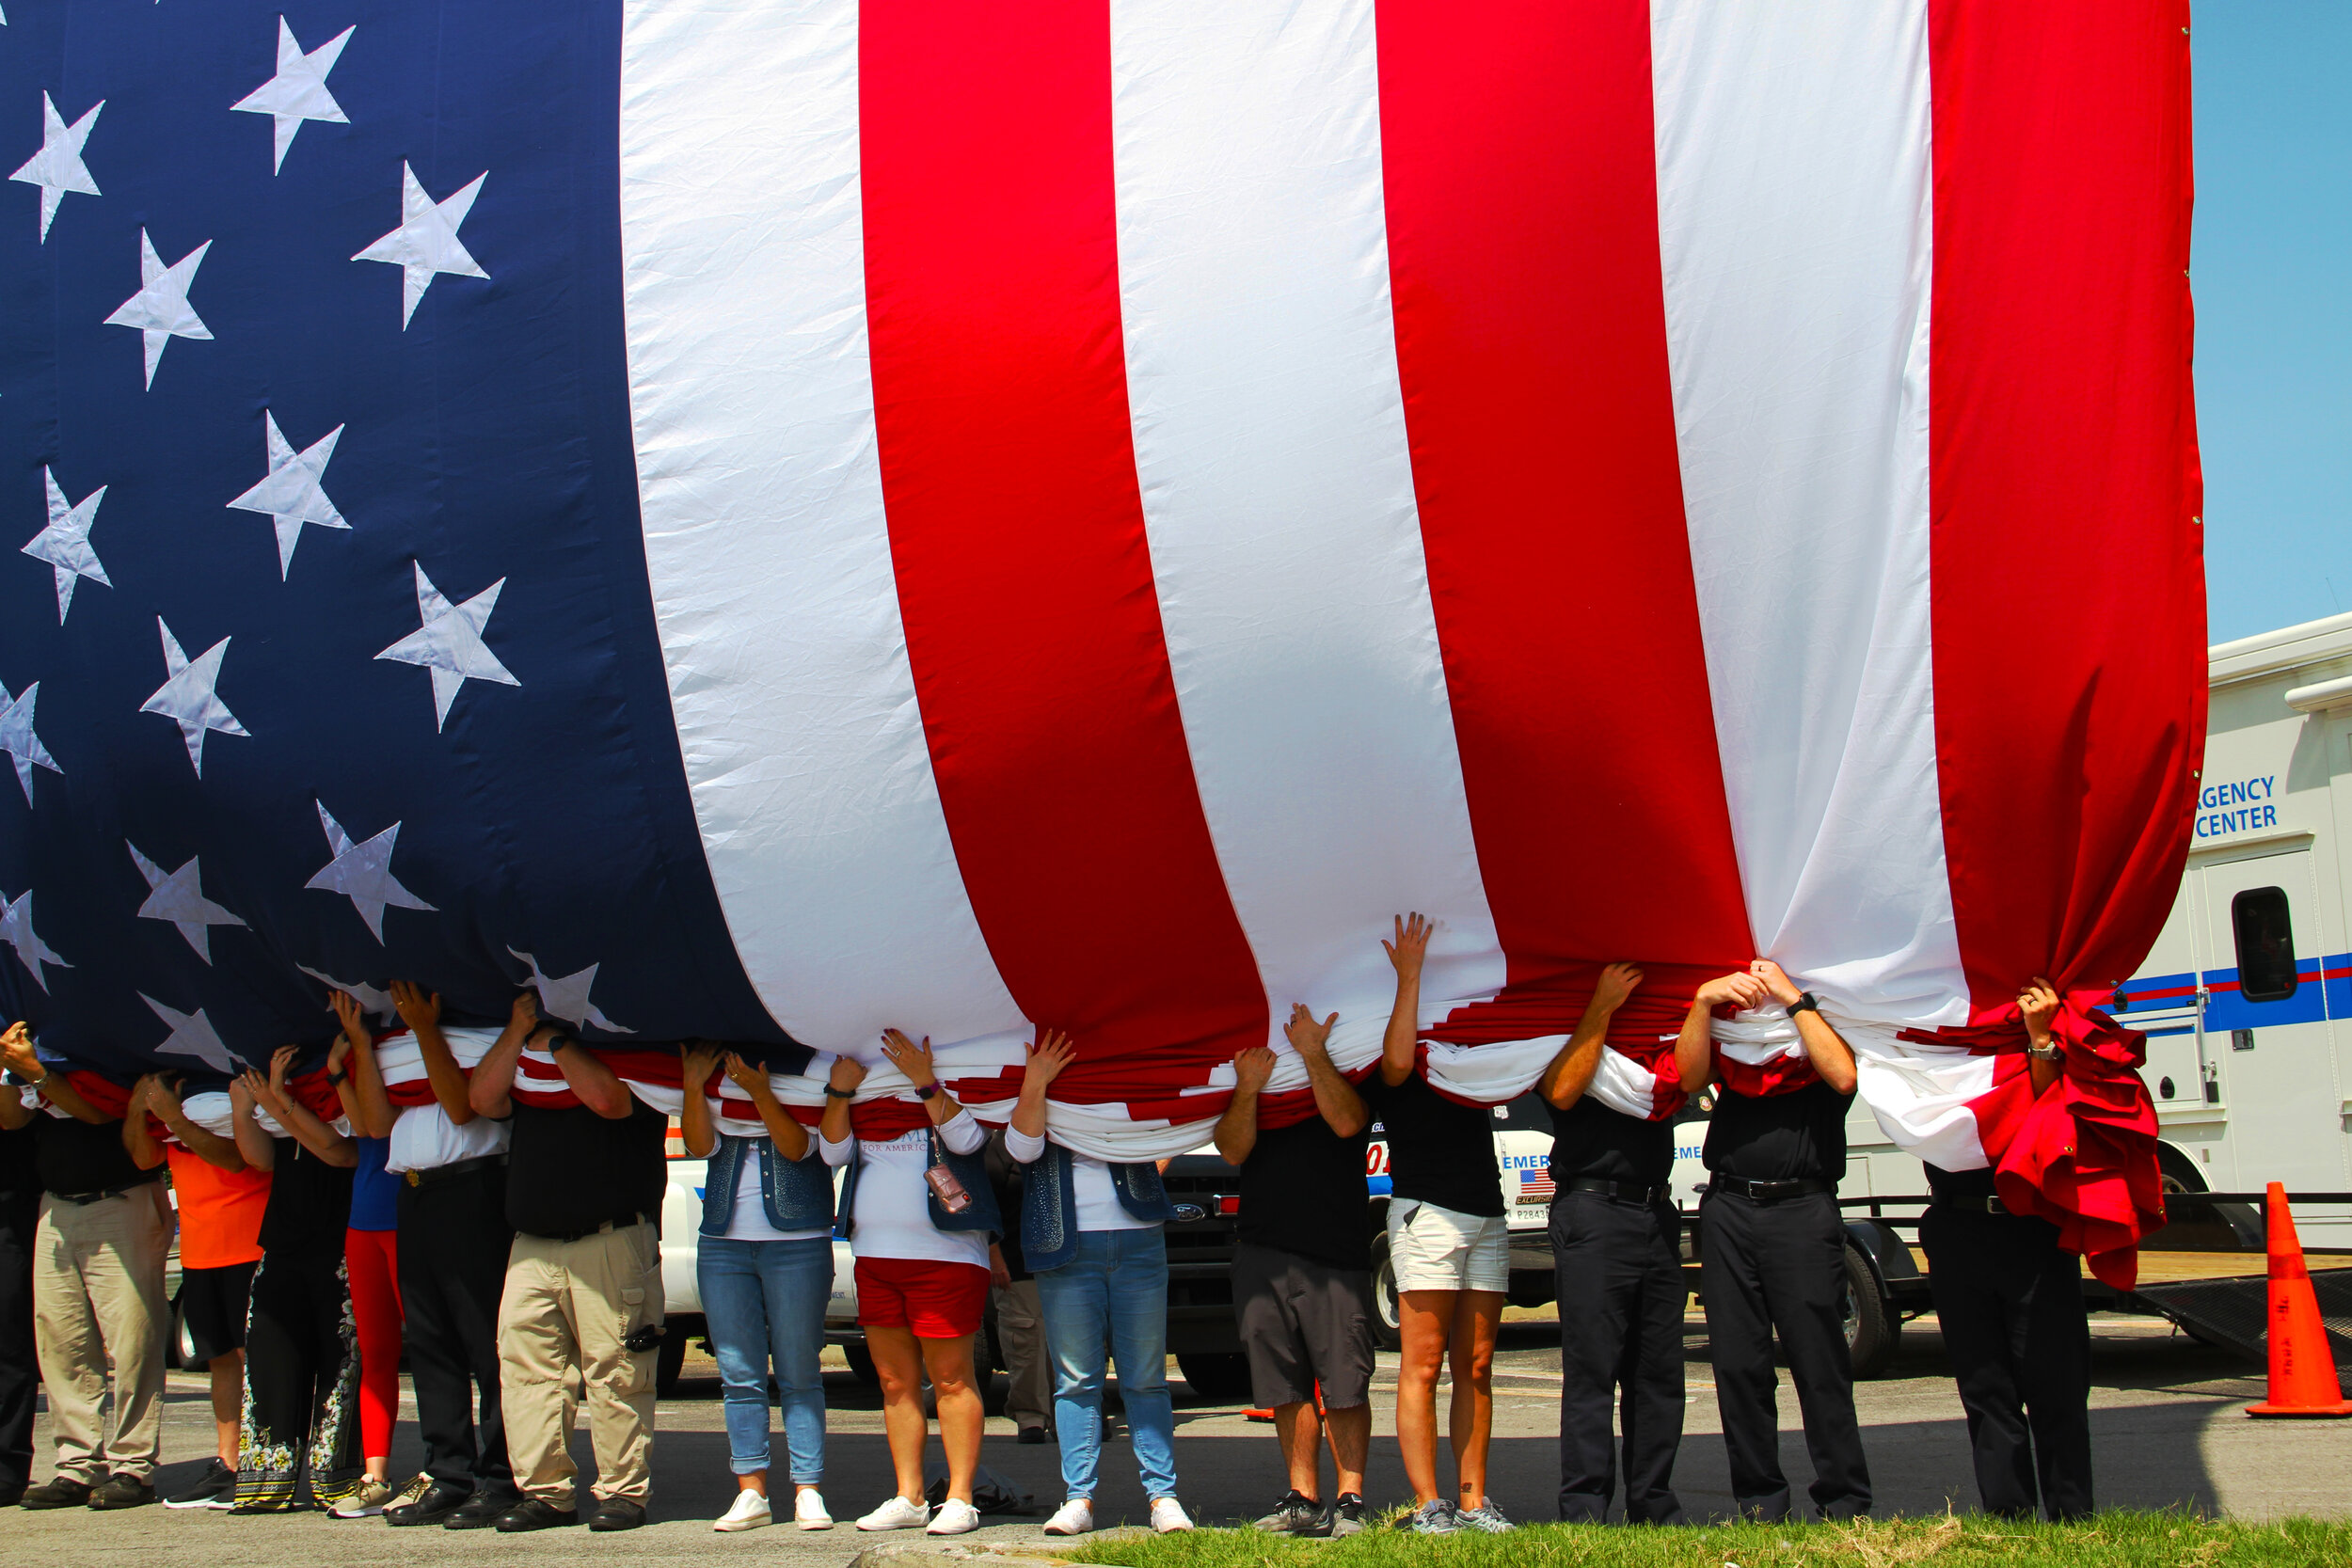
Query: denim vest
798, 1193
1049, 1204
971, 1169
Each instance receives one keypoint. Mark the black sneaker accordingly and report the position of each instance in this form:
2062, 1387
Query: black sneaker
1032, 1434
57, 1492
122, 1490
1296, 1514
215, 1488
617, 1514
1347, 1515
536, 1513
480, 1510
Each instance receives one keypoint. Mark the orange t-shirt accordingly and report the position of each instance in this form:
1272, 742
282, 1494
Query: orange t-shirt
220, 1211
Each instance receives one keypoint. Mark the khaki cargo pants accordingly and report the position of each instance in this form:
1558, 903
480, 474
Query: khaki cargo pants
98, 1298
566, 1308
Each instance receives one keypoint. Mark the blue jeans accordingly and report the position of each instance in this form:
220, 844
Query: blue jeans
1116, 1291
764, 1299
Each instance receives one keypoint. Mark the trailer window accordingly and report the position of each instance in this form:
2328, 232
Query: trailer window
2265, 944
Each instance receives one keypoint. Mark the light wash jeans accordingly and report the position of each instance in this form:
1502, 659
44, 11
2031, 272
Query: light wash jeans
764, 1299
1115, 1290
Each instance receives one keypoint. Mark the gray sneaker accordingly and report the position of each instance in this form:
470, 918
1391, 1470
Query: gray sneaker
1296, 1514
1486, 1516
1434, 1517
1347, 1514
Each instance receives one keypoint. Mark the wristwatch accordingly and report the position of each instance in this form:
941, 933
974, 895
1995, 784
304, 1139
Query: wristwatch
557, 1042
927, 1091
832, 1093
1805, 1003
337, 1078
2053, 1052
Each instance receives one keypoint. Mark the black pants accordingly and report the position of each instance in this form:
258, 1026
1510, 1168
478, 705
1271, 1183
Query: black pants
1621, 1296
2011, 1303
453, 1240
19, 1372
301, 1384
1780, 1265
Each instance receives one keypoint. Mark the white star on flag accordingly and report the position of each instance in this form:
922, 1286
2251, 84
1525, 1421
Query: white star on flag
160, 310
566, 996
363, 873
298, 92
374, 1003
18, 739
187, 696
426, 242
65, 543
192, 1035
16, 929
293, 493
58, 167
450, 644
179, 897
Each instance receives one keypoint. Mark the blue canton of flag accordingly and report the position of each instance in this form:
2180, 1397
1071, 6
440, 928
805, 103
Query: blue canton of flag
328, 655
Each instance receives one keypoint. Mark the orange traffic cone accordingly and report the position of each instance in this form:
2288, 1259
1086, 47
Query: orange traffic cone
2302, 1367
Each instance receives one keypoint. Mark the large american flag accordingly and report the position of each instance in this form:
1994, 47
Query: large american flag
773, 521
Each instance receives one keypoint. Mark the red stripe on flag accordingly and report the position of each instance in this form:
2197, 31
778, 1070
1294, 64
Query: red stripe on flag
1016, 530
1521, 184
2068, 581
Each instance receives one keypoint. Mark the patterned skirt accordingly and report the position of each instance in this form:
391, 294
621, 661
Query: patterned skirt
301, 1384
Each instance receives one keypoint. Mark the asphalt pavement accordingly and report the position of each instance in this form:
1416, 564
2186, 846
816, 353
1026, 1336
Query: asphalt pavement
2167, 1419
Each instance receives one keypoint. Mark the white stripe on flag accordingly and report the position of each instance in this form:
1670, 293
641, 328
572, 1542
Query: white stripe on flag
1793, 215
1278, 494
765, 537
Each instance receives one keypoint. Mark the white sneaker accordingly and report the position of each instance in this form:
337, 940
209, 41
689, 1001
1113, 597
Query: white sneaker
749, 1511
955, 1517
808, 1510
898, 1514
1168, 1516
1074, 1517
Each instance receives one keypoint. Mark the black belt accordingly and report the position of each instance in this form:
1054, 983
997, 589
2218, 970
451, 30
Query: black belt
437, 1174
1769, 1192
84, 1199
1975, 1203
640, 1218
1623, 1192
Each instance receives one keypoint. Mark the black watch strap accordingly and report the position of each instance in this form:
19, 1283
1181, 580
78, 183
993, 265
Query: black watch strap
1805, 1003
832, 1093
558, 1040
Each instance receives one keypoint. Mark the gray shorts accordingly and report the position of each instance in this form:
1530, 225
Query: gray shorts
1302, 1323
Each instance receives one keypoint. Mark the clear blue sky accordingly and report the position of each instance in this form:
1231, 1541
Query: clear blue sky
2273, 273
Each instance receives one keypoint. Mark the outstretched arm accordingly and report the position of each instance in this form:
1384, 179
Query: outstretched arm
491, 1091
1342, 1108
1237, 1129
1695, 1048
1407, 952
840, 1084
366, 1107
1048, 1054
296, 1117
16, 1048
2038, 1003
163, 1098
256, 1147
421, 1009
1570, 1074
697, 1129
1824, 1046
789, 1136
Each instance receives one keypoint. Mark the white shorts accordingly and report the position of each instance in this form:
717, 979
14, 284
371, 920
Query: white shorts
1437, 1249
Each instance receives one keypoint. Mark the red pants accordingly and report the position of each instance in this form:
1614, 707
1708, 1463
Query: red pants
372, 1258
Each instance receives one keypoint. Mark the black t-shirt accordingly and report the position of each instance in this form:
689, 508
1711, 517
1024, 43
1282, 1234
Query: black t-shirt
1779, 1137
1439, 1151
20, 1173
570, 1171
309, 1201
75, 1157
1590, 1139
1303, 1193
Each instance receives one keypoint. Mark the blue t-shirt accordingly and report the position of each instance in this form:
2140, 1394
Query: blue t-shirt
375, 1191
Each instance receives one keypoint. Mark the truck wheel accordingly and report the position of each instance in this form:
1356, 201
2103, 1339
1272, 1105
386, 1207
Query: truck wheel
862, 1363
1872, 1333
669, 1360
1221, 1377
1387, 1322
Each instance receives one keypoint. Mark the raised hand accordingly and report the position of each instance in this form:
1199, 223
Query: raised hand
1742, 990
910, 1058
16, 1048
1305, 1035
524, 1014
848, 1073
1049, 1054
418, 1007
1252, 1066
163, 1095
1411, 943
700, 1059
1782, 989
747, 1075
2038, 1003
280, 1063
1617, 982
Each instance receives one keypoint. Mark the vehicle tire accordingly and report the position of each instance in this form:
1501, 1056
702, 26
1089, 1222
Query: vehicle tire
1872, 1333
669, 1360
1388, 1332
1221, 1377
182, 1352
862, 1363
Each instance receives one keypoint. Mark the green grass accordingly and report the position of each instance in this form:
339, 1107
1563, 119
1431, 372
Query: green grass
2112, 1540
